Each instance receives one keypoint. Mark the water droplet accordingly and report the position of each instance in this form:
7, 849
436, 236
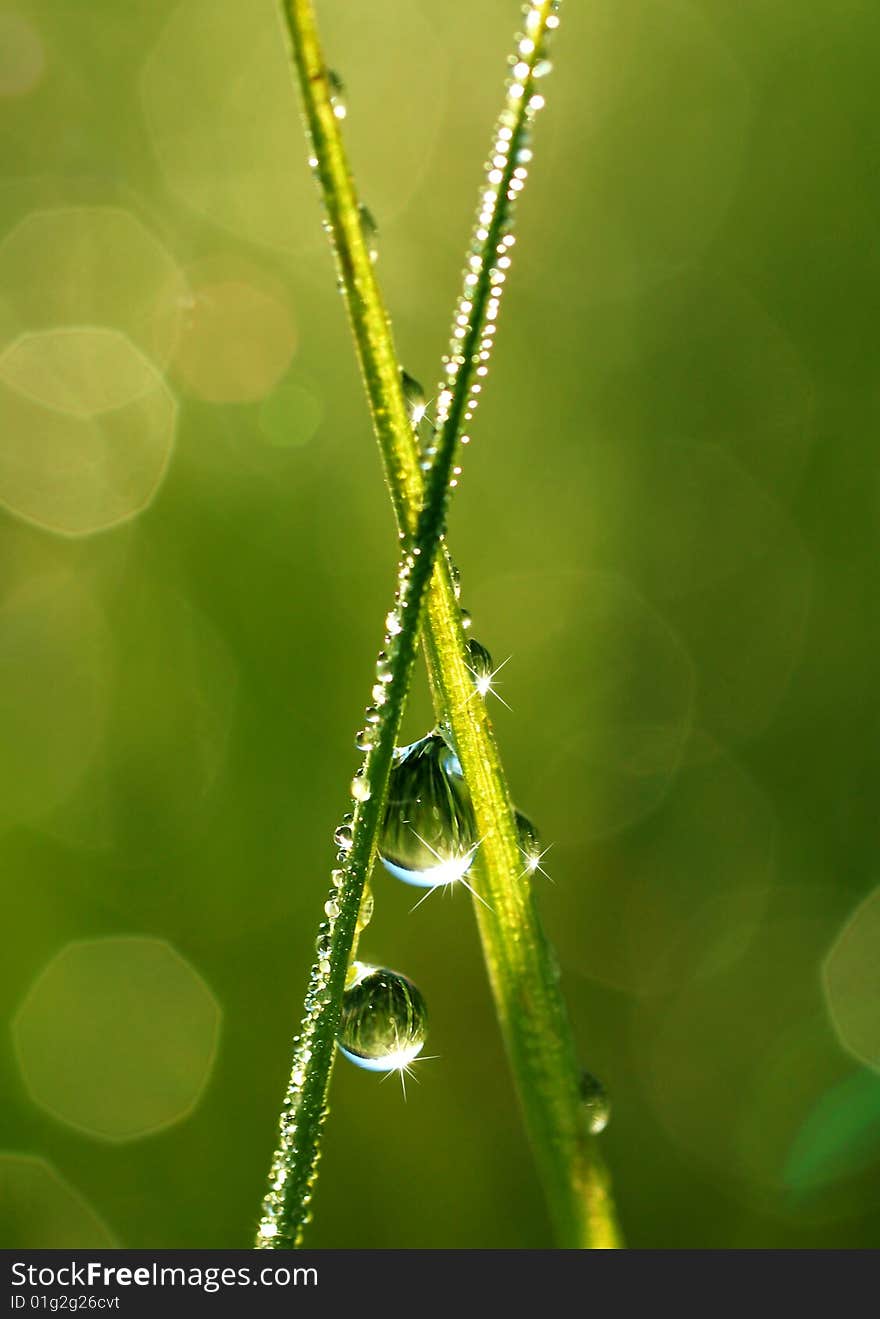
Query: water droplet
542, 68
466, 619
383, 667
529, 843
597, 1105
429, 833
384, 1020
331, 907
480, 665
360, 787
364, 739
365, 910
344, 837
337, 94
370, 231
414, 397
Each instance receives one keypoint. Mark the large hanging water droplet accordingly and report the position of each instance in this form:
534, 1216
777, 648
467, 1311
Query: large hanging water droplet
596, 1103
370, 231
384, 1020
337, 94
414, 397
429, 835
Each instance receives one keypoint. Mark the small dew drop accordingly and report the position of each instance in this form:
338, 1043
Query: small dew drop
529, 843
365, 911
344, 837
383, 667
596, 1103
466, 619
370, 231
414, 397
337, 94
480, 664
360, 787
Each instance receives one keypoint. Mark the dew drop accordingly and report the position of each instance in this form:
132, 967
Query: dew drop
384, 1020
360, 787
414, 397
466, 619
337, 94
480, 665
370, 231
344, 837
529, 843
429, 835
383, 667
596, 1103
365, 910
542, 68
364, 739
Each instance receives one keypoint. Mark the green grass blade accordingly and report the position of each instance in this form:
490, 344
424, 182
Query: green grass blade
520, 963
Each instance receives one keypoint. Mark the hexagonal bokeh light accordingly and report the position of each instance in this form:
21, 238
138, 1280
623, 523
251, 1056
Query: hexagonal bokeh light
117, 1037
88, 425
851, 983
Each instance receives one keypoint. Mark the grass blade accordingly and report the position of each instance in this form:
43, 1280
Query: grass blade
520, 963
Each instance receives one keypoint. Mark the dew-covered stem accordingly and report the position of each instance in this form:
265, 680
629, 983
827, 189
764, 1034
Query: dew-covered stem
520, 963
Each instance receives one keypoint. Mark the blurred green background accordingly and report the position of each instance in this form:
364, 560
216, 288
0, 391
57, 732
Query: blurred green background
668, 520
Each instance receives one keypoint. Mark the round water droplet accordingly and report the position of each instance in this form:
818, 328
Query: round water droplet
360, 787
466, 619
370, 231
344, 837
597, 1105
384, 1020
542, 68
429, 834
337, 94
364, 739
383, 667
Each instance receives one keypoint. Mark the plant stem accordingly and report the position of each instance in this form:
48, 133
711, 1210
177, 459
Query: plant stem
521, 965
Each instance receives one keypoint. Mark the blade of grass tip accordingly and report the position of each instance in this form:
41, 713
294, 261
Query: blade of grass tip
520, 963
